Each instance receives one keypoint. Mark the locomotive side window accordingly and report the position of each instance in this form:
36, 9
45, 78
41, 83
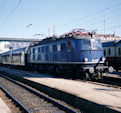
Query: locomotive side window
39, 57
69, 45
119, 51
42, 49
50, 48
46, 49
35, 50
58, 47
54, 47
63, 46
38, 49
34, 53
109, 51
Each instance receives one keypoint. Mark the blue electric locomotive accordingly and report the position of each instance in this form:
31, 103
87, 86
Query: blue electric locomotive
74, 52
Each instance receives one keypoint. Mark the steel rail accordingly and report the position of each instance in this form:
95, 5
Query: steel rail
25, 110
59, 105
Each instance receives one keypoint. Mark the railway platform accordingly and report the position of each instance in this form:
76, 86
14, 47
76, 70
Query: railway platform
114, 75
3, 107
95, 98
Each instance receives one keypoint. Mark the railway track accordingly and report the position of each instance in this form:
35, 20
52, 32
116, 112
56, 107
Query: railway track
29, 100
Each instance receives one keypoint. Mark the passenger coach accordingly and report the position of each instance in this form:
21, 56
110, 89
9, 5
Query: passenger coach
112, 52
16, 57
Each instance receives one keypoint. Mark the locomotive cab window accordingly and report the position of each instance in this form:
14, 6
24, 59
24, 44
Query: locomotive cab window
96, 44
69, 46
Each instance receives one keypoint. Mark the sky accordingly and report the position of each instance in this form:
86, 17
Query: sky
28, 18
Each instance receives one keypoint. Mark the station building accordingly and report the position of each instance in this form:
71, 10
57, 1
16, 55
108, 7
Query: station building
108, 37
14, 43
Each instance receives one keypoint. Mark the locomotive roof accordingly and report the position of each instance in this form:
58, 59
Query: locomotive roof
74, 34
69, 37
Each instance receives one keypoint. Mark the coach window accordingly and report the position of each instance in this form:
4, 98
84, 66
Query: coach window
119, 51
109, 51
69, 45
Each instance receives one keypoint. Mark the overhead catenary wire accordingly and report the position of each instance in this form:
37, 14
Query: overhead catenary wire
56, 9
107, 21
90, 15
2, 5
112, 27
63, 5
100, 20
10, 14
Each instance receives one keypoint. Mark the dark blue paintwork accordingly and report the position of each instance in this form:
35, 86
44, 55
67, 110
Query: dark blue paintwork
108, 44
73, 50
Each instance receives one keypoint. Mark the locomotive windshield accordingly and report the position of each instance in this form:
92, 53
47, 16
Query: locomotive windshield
91, 44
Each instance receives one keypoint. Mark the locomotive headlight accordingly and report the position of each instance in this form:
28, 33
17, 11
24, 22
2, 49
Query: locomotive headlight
103, 59
86, 59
